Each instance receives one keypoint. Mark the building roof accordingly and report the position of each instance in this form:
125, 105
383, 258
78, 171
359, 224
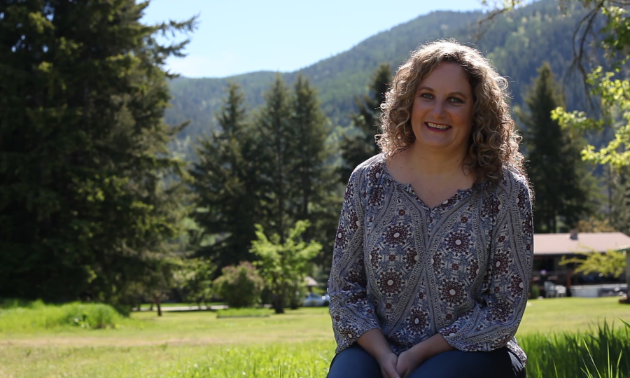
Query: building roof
562, 244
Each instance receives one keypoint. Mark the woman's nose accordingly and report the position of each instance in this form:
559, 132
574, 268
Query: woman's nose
438, 108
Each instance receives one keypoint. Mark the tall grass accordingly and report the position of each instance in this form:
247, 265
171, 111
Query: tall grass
39, 316
602, 353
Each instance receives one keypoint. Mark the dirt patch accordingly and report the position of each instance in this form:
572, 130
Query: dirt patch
114, 342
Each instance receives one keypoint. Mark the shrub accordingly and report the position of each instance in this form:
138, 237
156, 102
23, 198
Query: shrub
534, 291
37, 316
239, 286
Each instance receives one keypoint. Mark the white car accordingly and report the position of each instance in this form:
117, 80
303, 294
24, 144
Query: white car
313, 300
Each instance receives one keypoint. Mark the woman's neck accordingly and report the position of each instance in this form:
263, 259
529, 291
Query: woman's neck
427, 163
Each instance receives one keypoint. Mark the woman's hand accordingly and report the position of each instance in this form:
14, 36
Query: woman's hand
407, 363
388, 364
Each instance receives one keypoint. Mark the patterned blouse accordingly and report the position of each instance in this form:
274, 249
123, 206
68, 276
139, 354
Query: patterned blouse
461, 269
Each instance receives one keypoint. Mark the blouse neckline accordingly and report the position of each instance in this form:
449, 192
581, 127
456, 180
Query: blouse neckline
458, 196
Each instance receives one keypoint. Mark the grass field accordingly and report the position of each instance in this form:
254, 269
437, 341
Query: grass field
198, 344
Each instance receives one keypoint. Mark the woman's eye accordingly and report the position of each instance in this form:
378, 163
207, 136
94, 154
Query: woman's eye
426, 95
456, 100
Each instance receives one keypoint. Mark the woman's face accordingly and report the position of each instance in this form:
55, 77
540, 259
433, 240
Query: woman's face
442, 112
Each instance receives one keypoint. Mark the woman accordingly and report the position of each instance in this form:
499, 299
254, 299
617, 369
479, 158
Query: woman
433, 255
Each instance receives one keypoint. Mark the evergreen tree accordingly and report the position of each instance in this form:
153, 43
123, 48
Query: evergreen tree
314, 180
620, 214
225, 184
83, 204
554, 159
362, 145
276, 138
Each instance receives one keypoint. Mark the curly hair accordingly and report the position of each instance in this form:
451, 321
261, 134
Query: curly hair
493, 141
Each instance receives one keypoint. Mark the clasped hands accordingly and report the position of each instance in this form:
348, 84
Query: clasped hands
393, 366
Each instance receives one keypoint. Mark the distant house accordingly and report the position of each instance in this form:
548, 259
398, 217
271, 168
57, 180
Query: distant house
550, 248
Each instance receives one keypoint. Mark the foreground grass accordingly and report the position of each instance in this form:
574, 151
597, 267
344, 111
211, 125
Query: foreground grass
296, 344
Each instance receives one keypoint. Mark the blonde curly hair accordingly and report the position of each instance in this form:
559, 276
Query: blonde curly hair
493, 139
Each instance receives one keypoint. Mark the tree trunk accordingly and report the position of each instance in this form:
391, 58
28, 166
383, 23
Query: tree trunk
278, 303
157, 303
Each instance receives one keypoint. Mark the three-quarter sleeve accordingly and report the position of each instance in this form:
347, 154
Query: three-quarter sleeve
351, 312
495, 318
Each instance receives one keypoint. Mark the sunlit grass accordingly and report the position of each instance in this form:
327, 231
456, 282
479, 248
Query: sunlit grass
38, 316
244, 312
296, 344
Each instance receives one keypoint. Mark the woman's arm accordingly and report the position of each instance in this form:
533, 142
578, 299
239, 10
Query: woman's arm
352, 313
410, 359
495, 318
375, 344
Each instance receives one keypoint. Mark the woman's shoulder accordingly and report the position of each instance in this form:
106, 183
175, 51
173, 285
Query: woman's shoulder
515, 184
371, 168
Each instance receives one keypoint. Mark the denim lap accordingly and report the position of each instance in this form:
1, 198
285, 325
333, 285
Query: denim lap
355, 362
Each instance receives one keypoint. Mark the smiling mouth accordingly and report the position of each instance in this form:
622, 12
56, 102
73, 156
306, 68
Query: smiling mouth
437, 126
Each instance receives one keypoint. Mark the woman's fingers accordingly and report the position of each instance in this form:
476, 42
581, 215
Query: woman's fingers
388, 366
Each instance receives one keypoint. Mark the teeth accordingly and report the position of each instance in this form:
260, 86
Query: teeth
436, 126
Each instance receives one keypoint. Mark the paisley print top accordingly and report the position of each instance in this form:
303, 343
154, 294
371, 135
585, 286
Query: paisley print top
461, 268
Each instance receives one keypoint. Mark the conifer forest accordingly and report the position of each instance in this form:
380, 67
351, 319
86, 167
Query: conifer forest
122, 183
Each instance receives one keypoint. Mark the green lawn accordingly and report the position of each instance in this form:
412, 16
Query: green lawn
197, 344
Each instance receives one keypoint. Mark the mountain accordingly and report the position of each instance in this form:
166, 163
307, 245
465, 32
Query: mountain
517, 45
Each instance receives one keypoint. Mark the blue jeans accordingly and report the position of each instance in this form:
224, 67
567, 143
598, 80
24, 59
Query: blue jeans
355, 362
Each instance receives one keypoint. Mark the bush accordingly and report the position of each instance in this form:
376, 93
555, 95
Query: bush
239, 286
37, 316
534, 291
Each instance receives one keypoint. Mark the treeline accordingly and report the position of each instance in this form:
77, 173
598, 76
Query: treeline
93, 204
517, 45
272, 167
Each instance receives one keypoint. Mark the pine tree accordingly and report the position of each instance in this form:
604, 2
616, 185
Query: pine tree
620, 214
276, 142
362, 145
314, 181
83, 200
225, 184
554, 165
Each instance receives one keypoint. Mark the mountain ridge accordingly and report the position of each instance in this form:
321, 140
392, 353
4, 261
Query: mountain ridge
517, 46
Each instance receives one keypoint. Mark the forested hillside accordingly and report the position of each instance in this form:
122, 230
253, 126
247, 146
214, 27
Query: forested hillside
517, 45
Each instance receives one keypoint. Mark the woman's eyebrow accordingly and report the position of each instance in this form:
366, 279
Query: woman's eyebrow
424, 87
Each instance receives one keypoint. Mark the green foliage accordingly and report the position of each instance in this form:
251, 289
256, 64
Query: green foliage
272, 170
37, 316
608, 87
600, 353
225, 181
534, 291
239, 286
620, 214
362, 145
312, 181
84, 200
554, 164
611, 263
614, 96
195, 279
284, 264
277, 134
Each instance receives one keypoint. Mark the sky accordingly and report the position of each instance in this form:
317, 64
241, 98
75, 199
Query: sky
241, 36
